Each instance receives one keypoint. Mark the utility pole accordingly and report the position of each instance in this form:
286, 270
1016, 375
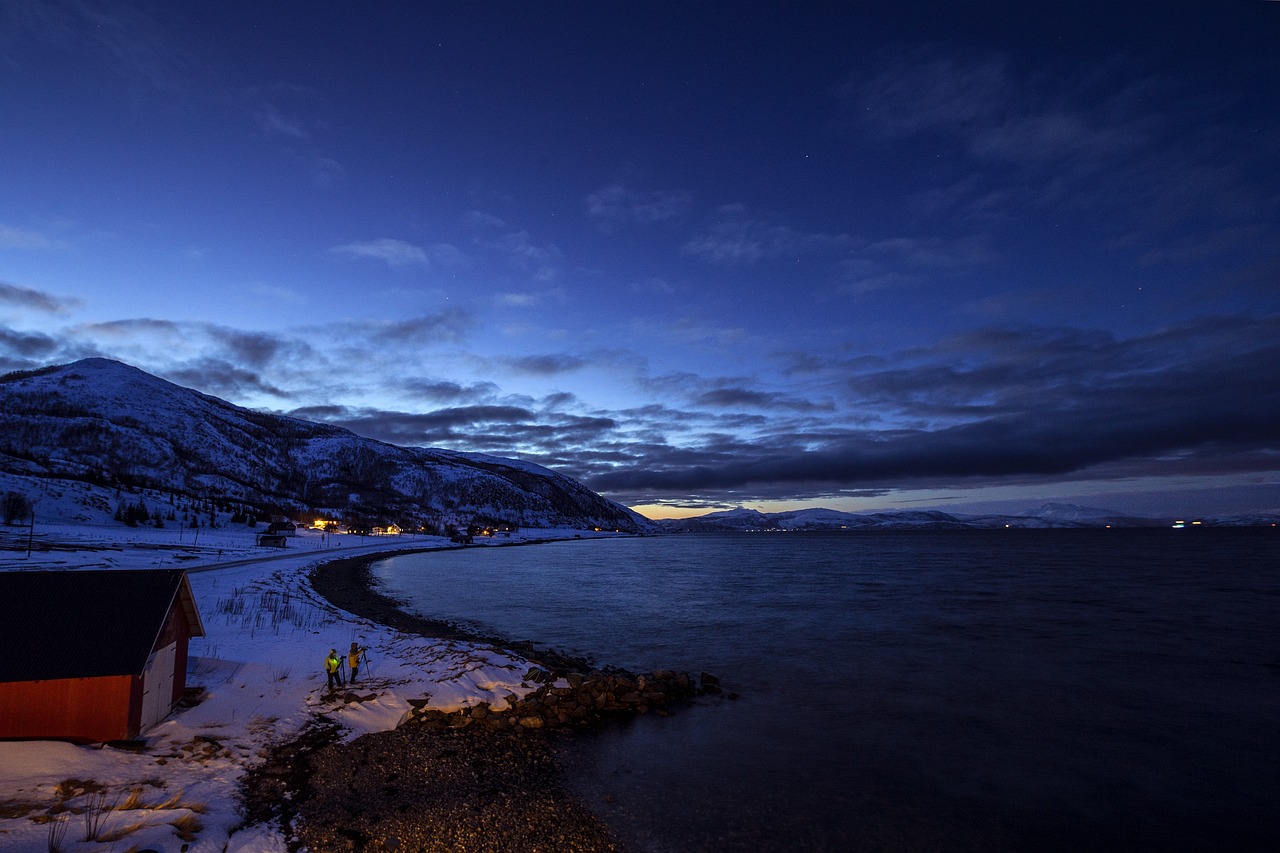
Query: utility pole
31, 531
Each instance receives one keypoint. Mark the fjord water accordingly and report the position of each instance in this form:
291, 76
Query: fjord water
949, 690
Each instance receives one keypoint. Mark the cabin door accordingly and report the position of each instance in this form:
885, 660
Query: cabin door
157, 686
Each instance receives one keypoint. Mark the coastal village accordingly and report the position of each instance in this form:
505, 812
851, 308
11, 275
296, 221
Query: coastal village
174, 776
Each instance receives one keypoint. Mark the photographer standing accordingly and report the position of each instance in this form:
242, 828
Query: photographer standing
353, 661
331, 665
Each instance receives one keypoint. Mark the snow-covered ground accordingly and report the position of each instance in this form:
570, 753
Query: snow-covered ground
261, 667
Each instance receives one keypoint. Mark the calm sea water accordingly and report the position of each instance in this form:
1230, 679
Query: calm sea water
971, 690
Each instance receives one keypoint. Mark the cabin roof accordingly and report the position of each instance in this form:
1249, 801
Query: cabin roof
87, 624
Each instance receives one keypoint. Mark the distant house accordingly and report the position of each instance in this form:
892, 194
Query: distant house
95, 655
281, 528
272, 540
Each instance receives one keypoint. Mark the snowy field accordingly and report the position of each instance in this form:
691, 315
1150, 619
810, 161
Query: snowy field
261, 667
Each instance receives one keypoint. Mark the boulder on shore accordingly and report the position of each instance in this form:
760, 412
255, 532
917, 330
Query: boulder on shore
575, 698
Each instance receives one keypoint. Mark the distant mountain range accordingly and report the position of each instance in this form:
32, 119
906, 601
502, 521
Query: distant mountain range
112, 430
1052, 515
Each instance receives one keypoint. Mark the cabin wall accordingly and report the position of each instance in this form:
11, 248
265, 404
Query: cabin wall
176, 630
85, 710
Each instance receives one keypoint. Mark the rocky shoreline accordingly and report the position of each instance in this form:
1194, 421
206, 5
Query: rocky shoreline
415, 789
477, 779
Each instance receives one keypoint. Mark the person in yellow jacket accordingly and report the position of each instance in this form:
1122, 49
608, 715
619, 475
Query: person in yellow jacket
353, 661
331, 665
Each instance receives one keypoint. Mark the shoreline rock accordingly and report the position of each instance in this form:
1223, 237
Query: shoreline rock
569, 699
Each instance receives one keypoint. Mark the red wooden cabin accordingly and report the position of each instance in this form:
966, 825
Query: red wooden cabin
93, 655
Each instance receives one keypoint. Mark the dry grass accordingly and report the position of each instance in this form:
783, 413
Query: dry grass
113, 835
188, 826
95, 810
57, 833
176, 802
133, 801
69, 788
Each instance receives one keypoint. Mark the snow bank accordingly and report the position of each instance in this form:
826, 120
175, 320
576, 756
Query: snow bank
260, 667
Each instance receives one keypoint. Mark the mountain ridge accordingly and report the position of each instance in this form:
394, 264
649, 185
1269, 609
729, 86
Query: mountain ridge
1049, 515
111, 424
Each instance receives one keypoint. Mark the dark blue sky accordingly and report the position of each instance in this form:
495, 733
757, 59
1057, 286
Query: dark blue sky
696, 255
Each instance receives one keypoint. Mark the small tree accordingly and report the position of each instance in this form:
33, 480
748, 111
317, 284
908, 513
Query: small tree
16, 507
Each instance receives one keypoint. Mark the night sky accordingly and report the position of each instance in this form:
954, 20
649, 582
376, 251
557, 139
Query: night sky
696, 255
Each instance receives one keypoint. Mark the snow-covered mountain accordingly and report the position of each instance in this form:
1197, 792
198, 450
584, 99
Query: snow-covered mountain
1052, 515
109, 425
812, 519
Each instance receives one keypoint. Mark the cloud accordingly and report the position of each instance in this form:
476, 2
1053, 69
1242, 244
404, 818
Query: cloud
899, 262
33, 300
737, 239
932, 253
23, 238
446, 326
546, 365
394, 253
235, 361
221, 378
517, 300
998, 117
326, 171
127, 37
369, 337
480, 219
444, 391
1139, 150
1053, 136
324, 413
616, 205
288, 116
748, 398
653, 286
442, 427
27, 345
692, 331
256, 348
502, 430
1002, 404
519, 251
925, 90
136, 326
277, 294
285, 111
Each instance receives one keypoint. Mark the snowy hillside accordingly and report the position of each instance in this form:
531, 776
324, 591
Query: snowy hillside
103, 425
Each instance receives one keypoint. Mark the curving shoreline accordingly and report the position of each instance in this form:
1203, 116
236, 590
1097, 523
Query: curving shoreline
373, 793
348, 583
